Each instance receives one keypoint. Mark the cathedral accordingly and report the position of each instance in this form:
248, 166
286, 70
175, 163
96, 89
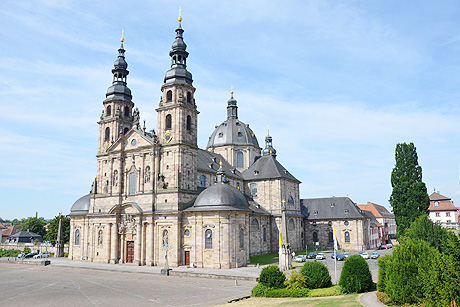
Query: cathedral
157, 196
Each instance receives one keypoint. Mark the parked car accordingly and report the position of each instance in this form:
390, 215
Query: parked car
375, 255
311, 255
30, 255
320, 256
42, 255
300, 258
340, 257
389, 245
346, 255
21, 255
383, 246
364, 255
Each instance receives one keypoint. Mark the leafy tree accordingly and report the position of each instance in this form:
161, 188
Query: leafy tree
51, 234
34, 224
296, 281
316, 275
424, 229
409, 198
356, 276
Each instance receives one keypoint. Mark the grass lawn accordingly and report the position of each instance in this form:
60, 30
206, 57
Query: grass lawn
351, 300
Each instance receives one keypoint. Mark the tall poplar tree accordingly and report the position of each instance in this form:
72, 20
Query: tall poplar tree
409, 198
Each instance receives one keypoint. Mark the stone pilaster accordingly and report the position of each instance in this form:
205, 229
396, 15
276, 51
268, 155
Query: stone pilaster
137, 246
114, 244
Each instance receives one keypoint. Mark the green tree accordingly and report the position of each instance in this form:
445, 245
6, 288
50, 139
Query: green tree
424, 229
34, 224
51, 234
409, 198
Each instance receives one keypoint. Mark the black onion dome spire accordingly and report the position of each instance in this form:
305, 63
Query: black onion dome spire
178, 72
269, 150
232, 108
119, 88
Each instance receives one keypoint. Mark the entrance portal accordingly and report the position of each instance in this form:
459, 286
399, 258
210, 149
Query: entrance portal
130, 251
187, 257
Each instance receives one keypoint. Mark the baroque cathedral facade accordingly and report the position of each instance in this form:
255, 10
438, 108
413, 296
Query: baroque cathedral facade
158, 194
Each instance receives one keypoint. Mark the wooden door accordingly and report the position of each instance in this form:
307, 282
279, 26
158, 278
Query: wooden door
130, 251
187, 257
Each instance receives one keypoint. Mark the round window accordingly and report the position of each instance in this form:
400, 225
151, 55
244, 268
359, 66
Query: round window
346, 223
329, 223
187, 232
133, 142
313, 224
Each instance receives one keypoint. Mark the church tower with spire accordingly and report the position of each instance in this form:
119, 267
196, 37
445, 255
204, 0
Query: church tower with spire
177, 130
116, 118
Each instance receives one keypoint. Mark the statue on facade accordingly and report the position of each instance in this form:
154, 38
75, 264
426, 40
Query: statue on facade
136, 118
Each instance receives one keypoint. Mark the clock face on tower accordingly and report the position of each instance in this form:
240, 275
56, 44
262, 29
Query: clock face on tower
106, 146
168, 136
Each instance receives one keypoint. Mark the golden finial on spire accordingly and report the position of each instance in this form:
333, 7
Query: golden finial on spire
231, 89
220, 163
122, 39
180, 13
268, 129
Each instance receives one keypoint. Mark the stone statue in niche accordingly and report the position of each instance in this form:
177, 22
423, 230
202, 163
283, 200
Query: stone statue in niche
99, 237
161, 181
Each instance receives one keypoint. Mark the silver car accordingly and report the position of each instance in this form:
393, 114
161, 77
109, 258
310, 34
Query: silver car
320, 256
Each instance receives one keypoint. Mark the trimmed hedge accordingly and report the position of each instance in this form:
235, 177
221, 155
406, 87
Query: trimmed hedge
382, 272
316, 275
272, 277
356, 276
260, 290
288, 293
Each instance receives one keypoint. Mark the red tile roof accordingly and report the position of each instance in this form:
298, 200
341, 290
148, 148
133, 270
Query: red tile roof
377, 210
437, 196
11, 231
442, 203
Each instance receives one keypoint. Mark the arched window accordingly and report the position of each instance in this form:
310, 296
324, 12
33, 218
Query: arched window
315, 237
347, 237
255, 225
253, 189
189, 123
132, 183
290, 200
203, 181
189, 97
127, 113
208, 239
291, 224
77, 237
168, 122
147, 174
241, 238
331, 237
109, 111
107, 135
239, 159
168, 96
125, 131
265, 234
115, 178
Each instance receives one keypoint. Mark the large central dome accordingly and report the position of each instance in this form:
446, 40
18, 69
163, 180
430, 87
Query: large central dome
232, 131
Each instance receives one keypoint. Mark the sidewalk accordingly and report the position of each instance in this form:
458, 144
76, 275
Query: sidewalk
244, 273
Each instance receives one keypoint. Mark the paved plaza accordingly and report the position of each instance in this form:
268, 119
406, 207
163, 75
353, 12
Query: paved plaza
35, 285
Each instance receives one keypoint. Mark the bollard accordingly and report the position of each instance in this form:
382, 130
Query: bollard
236, 282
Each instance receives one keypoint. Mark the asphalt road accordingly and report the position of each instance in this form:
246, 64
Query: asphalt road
33, 285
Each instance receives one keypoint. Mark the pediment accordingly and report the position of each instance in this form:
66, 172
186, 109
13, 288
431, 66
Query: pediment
132, 140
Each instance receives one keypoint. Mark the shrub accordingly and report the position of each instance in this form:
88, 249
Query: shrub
296, 281
26, 250
425, 229
355, 276
382, 272
331, 291
288, 293
404, 282
272, 277
384, 298
316, 275
260, 290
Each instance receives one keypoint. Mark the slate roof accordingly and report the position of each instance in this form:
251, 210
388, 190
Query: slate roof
330, 208
81, 206
445, 203
25, 236
232, 131
209, 162
377, 210
267, 167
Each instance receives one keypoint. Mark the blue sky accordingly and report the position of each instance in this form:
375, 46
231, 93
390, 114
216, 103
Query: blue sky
340, 83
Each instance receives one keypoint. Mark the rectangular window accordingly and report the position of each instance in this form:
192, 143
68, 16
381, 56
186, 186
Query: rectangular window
132, 184
447, 213
438, 214
253, 188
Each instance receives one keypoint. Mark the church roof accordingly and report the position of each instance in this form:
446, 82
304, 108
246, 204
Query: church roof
209, 162
267, 167
330, 208
81, 206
